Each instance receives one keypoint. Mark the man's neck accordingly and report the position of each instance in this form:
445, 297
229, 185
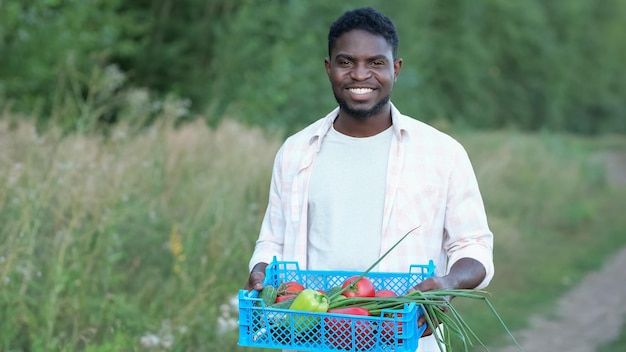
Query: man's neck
356, 127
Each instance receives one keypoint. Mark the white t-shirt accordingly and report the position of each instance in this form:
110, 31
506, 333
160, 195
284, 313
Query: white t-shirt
346, 201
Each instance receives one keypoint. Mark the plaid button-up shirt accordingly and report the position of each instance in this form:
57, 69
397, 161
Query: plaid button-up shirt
430, 184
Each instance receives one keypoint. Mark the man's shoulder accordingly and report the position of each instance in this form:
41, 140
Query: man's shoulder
419, 131
306, 134
316, 128
310, 130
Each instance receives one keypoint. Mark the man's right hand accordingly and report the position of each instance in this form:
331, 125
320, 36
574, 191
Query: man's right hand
257, 276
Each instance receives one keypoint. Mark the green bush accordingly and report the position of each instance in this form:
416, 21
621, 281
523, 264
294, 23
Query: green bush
531, 65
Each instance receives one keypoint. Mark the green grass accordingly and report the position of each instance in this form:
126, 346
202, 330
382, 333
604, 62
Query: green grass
554, 217
105, 241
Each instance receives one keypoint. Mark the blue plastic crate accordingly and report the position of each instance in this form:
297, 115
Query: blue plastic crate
394, 330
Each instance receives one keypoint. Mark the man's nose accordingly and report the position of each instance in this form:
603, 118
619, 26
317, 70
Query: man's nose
361, 72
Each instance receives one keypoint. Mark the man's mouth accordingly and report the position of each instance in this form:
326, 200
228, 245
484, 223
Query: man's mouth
360, 91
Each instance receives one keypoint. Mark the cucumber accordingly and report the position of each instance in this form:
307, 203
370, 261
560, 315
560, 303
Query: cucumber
284, 304
268, 294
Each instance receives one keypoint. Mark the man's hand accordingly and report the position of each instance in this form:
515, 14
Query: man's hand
257, 276
422, 320
433, 283
466, 273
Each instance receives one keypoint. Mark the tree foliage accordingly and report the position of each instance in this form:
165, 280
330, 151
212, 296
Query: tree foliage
530, 64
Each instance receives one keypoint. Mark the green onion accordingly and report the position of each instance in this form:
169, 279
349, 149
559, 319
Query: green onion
434, 305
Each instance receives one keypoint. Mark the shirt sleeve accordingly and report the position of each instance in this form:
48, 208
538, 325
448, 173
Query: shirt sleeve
271, 237
467, 231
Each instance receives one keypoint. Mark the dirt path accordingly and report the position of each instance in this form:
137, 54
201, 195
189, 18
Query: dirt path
576, 328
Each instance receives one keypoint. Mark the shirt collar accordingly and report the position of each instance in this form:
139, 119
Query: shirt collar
397, 124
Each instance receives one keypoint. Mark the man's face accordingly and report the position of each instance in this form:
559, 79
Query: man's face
362, 72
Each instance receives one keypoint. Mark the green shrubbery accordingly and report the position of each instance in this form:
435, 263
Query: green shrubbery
531, 65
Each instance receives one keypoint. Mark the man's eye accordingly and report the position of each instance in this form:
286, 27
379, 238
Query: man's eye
378, 63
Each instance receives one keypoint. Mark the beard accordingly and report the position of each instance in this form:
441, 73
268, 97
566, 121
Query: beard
362, 114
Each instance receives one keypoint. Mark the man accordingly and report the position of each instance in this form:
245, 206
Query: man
347, 187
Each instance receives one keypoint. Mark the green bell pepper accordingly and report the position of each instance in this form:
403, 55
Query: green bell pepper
308, 300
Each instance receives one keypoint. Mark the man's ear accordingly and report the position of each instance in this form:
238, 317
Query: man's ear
397, 65
327, 65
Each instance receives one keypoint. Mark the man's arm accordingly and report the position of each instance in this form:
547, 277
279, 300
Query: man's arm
270, 241
466, 273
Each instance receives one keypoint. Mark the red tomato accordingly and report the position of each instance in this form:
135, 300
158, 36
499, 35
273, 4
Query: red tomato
363, 288
281, 298
339, 331
386, 293
290, 288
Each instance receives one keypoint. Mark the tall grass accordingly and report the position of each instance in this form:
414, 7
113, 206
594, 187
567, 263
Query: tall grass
107, 240
138, 240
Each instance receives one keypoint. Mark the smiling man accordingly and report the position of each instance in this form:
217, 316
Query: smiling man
362, 70
349, 186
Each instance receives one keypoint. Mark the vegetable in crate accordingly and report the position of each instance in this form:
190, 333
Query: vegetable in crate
385, 293
287, 291
358, 286
341, 332
268, 294
283, 298
290, 288
308, 300
386, 330
350, 311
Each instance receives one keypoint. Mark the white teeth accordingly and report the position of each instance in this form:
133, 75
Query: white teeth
361, 90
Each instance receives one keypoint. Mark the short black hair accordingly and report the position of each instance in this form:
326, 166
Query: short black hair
367, 19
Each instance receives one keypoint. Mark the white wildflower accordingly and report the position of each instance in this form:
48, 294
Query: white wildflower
113, 77
228, 319
225, 325
138, 97
234, 302
150, 340
225, 310
167, 341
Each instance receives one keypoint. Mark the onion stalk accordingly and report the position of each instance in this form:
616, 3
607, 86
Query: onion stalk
434, 305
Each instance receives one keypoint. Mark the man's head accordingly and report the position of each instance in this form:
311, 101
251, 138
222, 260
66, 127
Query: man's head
367, 19
362, 66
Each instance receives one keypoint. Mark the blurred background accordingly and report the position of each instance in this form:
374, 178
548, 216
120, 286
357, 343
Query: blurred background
137, 137
532, 65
